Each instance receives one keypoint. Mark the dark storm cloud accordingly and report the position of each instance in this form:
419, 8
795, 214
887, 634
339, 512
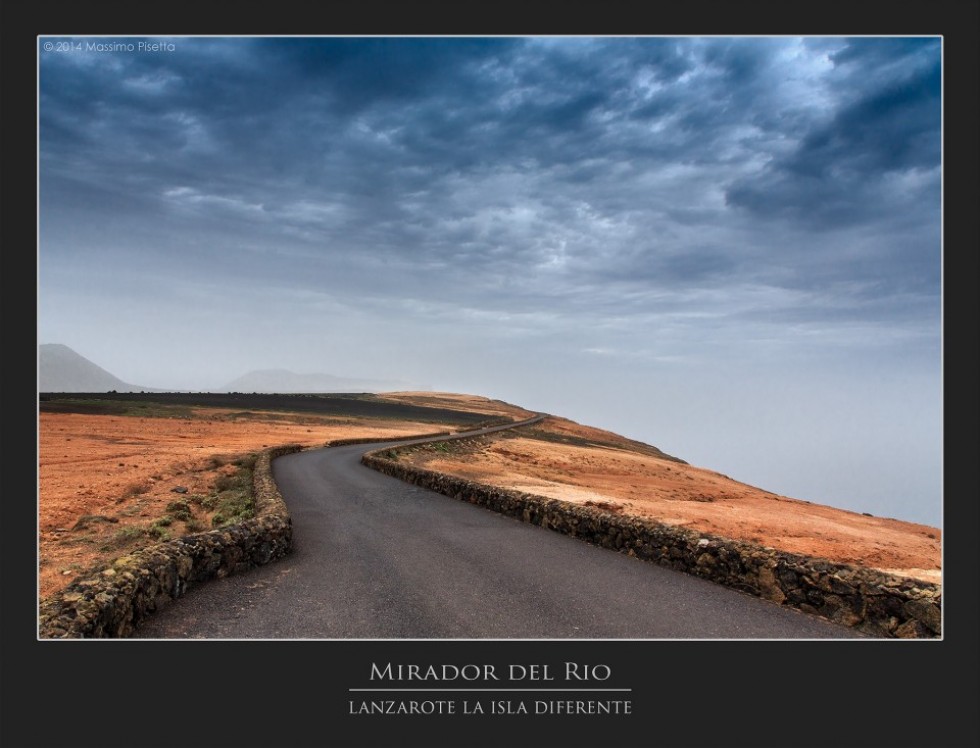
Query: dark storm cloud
886, 122
584, 167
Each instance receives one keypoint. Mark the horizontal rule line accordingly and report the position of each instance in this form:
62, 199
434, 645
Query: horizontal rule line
492, 690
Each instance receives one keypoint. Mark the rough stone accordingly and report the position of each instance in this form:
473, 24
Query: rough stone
912, 629
926, 612
876, 603
113, 601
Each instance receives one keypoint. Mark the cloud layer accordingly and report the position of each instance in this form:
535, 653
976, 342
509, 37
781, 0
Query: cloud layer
574, 207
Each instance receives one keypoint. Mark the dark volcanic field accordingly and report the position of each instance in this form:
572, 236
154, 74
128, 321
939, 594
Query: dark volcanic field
334, 404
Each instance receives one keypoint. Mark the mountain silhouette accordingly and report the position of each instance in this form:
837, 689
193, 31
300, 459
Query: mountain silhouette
60, 369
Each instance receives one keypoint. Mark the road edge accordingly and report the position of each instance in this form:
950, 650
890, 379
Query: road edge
877, 604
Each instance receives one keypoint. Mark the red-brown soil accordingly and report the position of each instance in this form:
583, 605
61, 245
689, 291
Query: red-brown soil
104, 480
564, 460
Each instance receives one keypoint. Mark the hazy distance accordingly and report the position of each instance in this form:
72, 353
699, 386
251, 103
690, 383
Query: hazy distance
729, 248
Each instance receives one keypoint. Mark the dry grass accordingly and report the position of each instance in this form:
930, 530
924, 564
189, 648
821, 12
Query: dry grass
108, 483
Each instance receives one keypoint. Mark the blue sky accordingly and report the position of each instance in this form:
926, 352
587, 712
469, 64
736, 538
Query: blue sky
726, 247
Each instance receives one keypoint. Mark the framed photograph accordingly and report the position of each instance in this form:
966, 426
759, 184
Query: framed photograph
528, 384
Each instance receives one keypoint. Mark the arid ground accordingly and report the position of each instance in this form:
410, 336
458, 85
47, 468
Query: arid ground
561, 459
117, 476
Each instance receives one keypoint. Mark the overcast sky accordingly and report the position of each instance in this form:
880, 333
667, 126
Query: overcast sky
729, 248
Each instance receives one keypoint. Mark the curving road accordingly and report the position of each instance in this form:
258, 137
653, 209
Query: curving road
377, 558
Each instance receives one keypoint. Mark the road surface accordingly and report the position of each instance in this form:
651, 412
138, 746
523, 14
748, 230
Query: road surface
377, 558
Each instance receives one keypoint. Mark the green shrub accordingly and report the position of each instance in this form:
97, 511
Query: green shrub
123, 537
233, 500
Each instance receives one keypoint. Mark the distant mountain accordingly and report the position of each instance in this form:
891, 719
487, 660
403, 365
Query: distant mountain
284, 381
60, 369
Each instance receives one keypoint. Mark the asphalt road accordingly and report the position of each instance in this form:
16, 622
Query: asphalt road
377, 558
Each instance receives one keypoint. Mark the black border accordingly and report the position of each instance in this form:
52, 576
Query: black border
215, 694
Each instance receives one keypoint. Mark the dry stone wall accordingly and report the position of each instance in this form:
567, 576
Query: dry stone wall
878, 604
113, 601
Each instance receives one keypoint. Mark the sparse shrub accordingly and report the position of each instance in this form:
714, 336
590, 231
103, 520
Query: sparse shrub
180, 510
136, 489
246, 461
233, 506
89, 519
228, 482
231, 499
123, 537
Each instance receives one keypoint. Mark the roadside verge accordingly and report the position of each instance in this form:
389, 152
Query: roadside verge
111, 602
877, 604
